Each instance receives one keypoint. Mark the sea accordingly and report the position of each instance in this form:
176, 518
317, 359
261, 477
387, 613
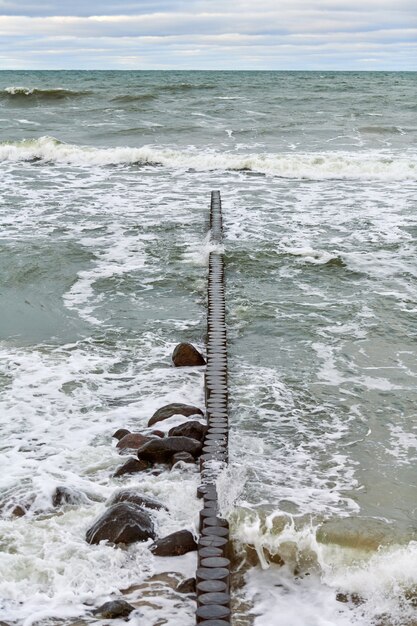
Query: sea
105, 180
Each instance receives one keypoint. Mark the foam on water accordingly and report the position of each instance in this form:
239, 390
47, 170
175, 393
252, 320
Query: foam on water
318, 166
49, 93
382, 588
58, 433
321, 299
61, 402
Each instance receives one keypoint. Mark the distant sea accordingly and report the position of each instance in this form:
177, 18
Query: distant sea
104, 190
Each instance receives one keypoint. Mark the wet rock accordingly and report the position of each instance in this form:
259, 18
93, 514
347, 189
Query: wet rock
67, 495
184, 457
185, 355
193, 429
114, 608
18, 511
187, 586
123, 522
120, 433
12, 506
131, 467
162, 450
130, 495
176, 408
175, 544
354, 598
158, 433
132, 441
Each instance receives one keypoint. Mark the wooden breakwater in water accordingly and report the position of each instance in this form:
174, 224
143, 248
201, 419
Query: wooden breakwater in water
213, 570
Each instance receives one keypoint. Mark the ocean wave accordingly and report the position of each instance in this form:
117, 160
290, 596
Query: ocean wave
185, 87
140, 97
316, 166
56, 93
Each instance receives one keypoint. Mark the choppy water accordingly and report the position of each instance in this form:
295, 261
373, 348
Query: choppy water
105, 180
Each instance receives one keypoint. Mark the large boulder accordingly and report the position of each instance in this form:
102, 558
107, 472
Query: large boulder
123, 522
193, 429
132, 441
132, 466
175, 544
162, 450
176, 408
130, 495
185, 355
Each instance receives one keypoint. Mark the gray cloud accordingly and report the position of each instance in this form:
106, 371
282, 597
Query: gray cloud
210, 33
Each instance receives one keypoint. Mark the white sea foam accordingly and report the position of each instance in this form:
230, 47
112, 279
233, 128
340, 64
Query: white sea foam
316, 257
50, 441
51, 92
316, 166
383, 582
199, 252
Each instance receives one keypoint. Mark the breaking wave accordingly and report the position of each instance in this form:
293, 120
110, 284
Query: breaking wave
56, 93
315, 166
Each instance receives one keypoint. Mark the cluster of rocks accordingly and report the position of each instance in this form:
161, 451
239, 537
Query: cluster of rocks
128, 515
183, 443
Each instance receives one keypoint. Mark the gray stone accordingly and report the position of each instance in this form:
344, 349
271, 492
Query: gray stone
130, 495
131, 467
176, 408
120, 433
114, 608
187, 586
193, 429
123, 522
184, 457
175, 544
162, 450
67, 495
132, 441
185, 355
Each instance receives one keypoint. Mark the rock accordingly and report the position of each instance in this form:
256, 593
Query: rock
185, 355
176, 408
16, 508
67, 495
120, 433
354, 598
162, 450
193, 429
114, 608
175, 544
187, 586
129, 495
158, 433
123, 522
132, 441
18, 511
131, 467
184, 457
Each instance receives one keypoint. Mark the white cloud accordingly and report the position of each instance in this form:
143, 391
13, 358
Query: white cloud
208, 27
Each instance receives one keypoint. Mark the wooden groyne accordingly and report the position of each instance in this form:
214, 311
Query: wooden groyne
213, 570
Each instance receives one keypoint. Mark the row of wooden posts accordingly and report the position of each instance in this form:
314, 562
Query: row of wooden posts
213, 569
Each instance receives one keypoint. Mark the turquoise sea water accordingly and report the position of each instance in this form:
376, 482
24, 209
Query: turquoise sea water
105, 181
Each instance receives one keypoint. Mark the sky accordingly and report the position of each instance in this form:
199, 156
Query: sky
209, 34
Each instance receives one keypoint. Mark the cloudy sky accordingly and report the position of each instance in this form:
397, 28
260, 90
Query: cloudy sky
209, 34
